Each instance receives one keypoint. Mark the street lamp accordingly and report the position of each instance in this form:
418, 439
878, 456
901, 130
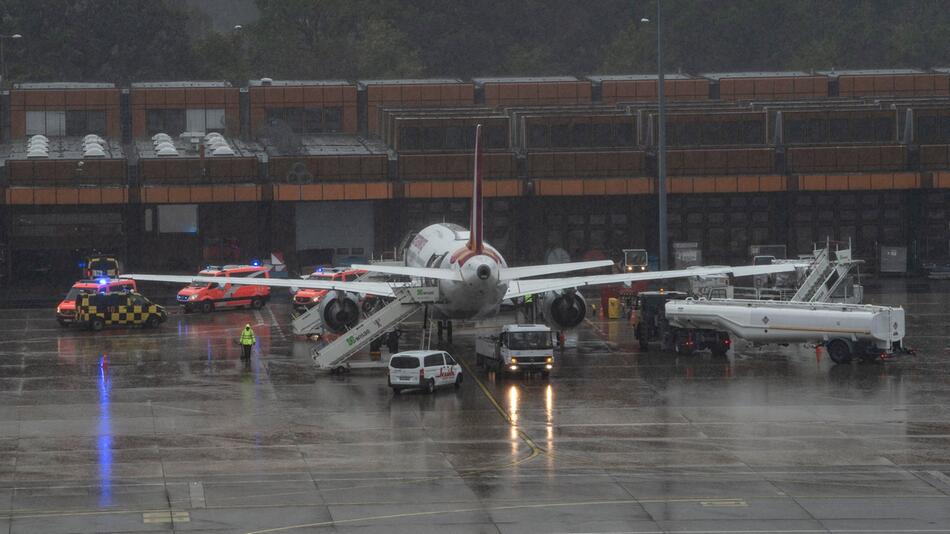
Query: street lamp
3, 64
662, 229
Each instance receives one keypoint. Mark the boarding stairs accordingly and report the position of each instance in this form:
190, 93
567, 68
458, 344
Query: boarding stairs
308, 323
408, 301
825, 276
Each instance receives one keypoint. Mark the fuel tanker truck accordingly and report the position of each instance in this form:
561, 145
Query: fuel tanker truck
846, 330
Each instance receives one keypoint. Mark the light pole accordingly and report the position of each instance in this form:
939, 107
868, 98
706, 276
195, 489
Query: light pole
3, 63
662, 227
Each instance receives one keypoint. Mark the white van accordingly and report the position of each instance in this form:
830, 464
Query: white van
426, 369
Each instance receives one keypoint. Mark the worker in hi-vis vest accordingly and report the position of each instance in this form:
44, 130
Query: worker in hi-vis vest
247, 341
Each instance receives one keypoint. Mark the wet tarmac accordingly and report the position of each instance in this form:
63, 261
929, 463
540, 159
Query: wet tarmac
140, 431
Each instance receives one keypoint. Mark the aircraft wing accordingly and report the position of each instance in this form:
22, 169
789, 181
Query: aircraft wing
518, 288
514, 273
382, 289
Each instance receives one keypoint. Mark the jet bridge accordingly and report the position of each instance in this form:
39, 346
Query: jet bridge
408, 301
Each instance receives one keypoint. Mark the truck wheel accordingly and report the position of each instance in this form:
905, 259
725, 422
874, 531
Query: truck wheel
430, 386
479, 361
839, 351
257, 303
207, 306
152, 321
458, 381
62, 323
96, 324
396, 390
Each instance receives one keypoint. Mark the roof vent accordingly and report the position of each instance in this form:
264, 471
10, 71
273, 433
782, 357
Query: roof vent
39, 137
213, 135
34, 153
161, 137
93, 151
93, 138
267, 81
166, 150
223, 150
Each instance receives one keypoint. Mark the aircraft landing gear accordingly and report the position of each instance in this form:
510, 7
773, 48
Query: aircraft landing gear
445, 327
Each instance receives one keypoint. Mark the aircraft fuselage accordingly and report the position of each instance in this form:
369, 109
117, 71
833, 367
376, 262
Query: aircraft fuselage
445, 246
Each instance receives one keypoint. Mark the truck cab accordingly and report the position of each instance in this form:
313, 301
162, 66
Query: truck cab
652, 325
102, 266
635, 260
517, 348
207, 297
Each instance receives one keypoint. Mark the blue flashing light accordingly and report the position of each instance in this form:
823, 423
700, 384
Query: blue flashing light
319, 269
256, 263
103, 281
82, 265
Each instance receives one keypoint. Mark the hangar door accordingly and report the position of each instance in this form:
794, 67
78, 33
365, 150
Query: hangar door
335, 233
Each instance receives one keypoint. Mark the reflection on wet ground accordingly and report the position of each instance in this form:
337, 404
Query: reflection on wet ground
137, 430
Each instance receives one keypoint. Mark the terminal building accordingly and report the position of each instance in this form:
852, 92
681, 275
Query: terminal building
170, 176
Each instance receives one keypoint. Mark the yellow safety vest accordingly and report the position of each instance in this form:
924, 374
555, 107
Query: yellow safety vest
247, 337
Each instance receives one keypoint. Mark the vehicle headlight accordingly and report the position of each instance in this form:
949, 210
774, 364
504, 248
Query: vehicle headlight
192, 297
549, 359
58, 310
514, 360
514, 368
315, 299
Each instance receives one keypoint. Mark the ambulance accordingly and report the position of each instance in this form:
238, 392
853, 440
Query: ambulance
98, 310
207, 297
304, 299
66, 311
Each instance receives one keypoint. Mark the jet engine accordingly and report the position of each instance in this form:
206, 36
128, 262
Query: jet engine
563, 309
340, 311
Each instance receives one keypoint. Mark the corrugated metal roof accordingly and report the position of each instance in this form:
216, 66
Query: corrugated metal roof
871, 72
528, 79
293, 83
637, 77
178, 85
776, 74
62, 85
415, 81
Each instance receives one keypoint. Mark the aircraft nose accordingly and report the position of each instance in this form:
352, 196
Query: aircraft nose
483, 272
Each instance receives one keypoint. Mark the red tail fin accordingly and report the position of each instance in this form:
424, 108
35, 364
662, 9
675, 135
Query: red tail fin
477, 228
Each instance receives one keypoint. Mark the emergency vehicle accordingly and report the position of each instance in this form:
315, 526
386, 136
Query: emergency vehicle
425, 369
304, 299
66, 311
101, 267
96, 311
207, 297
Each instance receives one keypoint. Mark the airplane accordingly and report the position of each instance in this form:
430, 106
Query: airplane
472, 276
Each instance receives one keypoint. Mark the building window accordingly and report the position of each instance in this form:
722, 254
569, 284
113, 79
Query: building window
204, 120
49, 123
538, 136
170, 121
409, 138
309, 120
82, 122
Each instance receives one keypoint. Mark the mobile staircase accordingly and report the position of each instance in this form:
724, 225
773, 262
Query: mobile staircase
409, 300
